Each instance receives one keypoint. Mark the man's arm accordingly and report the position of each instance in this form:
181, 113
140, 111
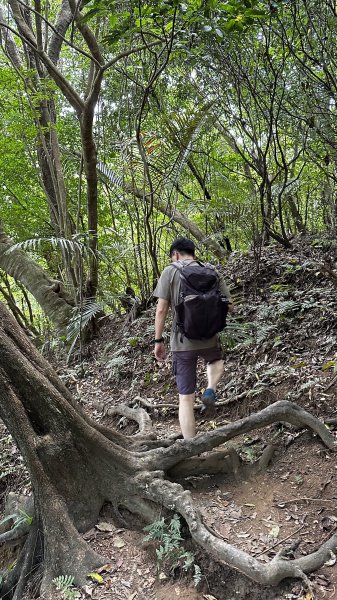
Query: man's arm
225, 291
159, 324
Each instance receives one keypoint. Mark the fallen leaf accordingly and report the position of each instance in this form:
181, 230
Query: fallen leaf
328, 522
89, 534
88, 590
275, 531
132, 596
209, 597
118, 542
106, 568
105, 526
242, 535
96, 577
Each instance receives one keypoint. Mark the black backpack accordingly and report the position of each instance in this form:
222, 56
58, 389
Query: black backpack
202, 310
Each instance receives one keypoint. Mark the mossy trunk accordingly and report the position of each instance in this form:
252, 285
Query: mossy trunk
49, 293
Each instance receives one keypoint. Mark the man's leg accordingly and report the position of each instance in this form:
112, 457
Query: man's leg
214, 373
215, 368
184, 366
186, 415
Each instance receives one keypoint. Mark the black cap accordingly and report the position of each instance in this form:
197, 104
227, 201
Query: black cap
183, 245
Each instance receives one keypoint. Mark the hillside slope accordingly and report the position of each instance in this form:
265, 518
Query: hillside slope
281, 344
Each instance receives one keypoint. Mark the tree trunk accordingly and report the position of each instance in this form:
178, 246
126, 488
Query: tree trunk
76, 465
49, 293
90, 168
48, 151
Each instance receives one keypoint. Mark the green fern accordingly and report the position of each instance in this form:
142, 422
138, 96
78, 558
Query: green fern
263, 332
171, 552
64, 585
197, 576
116, 362
237, 334
309, 384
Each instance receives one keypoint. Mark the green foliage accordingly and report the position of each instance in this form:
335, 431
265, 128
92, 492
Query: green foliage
18, 519
249, 453
280, 287
73, 246
64, 585
207, 17
202, 110
170, 551
80, 321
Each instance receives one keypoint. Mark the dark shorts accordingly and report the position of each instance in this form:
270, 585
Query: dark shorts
185, 366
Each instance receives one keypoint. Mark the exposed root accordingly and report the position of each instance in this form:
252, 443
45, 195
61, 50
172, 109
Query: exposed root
174, 497
175, 406
135, 414
28, 560
226, 461
266, 457
76, 465
284, 411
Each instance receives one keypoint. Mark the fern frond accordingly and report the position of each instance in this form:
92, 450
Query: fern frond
65, 244
63, 582
116, 362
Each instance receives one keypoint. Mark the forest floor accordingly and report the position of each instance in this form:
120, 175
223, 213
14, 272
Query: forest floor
281, 344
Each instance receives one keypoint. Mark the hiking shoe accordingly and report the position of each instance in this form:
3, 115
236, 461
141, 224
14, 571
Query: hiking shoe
208, 397
208, 400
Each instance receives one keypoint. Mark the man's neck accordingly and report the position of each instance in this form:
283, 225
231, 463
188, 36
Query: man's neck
185, 257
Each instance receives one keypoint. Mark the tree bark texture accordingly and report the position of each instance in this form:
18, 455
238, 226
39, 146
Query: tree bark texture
49, 293
77, 465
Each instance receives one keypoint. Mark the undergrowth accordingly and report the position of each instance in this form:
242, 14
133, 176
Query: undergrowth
170, 551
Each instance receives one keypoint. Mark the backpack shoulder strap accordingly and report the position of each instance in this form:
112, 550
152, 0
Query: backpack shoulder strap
178, 264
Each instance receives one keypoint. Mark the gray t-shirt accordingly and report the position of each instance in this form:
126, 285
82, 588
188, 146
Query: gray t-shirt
168, 289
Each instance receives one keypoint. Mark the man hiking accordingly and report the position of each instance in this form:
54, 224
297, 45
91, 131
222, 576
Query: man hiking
186, 350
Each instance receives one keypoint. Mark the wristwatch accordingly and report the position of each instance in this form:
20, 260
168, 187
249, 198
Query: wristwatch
159, 340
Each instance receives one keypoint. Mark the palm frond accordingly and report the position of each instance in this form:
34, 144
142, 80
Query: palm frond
81, 318
182, 132
113, 178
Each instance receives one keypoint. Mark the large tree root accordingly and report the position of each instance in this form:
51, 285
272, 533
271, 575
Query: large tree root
135, 414
174, 497
77, 465
284, 411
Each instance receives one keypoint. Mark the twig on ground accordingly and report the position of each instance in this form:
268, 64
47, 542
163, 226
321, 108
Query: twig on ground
304, 499
332, 382
279, 542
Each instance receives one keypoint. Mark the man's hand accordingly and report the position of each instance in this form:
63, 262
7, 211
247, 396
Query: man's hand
160, 352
